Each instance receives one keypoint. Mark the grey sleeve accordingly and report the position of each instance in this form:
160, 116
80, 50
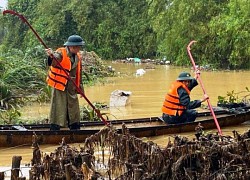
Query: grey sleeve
192, 84
185, 99
50, 62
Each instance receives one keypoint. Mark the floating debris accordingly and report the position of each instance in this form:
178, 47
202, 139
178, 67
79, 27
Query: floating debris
109, 155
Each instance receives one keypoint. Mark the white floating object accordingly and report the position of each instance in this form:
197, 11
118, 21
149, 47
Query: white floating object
119, 98
140, 72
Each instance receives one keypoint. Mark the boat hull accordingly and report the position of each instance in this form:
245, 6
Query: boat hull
143, 127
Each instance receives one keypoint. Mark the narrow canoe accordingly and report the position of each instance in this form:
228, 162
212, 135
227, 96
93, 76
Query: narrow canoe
11, 135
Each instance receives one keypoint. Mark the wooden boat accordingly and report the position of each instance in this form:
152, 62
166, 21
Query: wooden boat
11, 135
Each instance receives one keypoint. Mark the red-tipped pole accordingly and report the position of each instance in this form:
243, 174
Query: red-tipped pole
202, 86
40, 39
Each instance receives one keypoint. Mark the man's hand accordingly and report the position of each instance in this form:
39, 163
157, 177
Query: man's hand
49, 51
197, 73
205, 98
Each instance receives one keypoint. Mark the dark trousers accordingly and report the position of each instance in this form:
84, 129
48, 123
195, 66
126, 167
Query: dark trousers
187, 116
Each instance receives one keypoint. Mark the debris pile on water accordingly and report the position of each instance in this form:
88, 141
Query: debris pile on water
109, 155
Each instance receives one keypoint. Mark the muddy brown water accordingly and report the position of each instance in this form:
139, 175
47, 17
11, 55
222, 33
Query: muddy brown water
147, 96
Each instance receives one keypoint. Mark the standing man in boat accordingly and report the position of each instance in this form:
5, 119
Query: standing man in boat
64, 110
177, 107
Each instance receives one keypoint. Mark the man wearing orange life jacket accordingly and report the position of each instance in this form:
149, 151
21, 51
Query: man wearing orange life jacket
177, 107
65, 111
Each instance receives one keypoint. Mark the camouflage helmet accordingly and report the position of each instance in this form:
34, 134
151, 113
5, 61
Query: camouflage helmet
184, 76
74, 40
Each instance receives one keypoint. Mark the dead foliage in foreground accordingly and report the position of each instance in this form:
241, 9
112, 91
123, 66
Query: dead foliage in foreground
109, 155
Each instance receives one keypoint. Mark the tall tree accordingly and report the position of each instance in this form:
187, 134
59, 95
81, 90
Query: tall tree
230, 36
139, 28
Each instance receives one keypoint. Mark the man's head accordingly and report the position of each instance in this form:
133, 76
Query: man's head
184, 76
74, 43
74, 40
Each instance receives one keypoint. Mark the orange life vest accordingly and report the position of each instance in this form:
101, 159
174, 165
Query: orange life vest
57, 78
171, 105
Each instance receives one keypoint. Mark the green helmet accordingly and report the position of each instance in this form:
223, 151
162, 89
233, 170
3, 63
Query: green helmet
184, 76
74, 40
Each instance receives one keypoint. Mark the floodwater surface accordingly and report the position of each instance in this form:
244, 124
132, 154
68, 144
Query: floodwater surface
148, 90
147, 96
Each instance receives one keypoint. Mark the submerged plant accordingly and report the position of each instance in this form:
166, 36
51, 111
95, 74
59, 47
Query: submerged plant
89, 114
9, 116
235, 97
44, 94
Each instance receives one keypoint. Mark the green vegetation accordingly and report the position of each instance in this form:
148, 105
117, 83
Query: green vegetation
22, 74
117, 30
89, 114
235, 97
23, 79
138, 28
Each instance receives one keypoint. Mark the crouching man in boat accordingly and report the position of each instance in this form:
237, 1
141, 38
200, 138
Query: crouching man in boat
64, 110
177, 107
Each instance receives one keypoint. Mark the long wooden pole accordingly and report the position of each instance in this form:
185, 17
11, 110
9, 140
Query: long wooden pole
202, 86
79, 90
